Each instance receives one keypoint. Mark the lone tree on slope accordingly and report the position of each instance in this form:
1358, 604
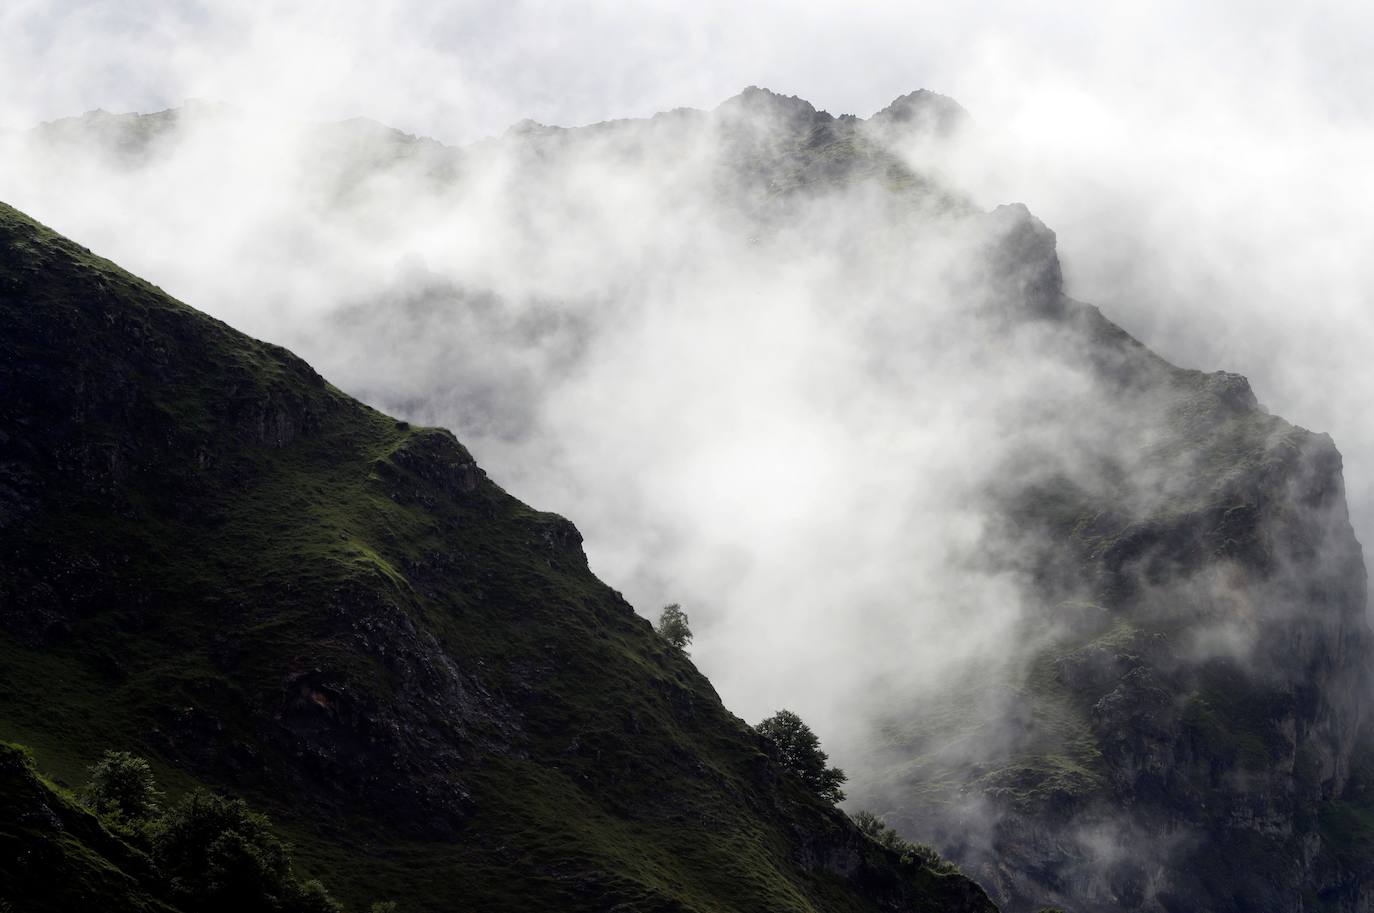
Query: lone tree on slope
122, 788
672, 626
798, 749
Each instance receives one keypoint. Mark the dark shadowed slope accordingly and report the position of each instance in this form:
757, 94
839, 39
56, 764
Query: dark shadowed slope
211, 556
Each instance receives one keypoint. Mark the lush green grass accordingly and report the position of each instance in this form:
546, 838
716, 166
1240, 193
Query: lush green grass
56, 856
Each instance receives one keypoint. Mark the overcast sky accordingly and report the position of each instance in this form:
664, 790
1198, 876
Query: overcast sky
460, 69
1206, 165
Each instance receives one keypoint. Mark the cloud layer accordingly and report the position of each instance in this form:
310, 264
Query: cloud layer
1205, 168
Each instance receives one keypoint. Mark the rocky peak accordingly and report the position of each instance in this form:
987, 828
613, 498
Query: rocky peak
754, 100
757, 109
923, 112
1023, 263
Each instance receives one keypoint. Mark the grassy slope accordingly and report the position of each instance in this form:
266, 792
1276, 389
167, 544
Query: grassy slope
210, 556
55, 856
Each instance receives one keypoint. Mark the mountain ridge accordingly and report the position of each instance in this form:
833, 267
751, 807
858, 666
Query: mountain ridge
941, 110
214, 557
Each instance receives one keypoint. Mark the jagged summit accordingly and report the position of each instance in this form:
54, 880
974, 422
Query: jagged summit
922, 110
755, 100
531, 127
929, 111
190, 108
1025, 260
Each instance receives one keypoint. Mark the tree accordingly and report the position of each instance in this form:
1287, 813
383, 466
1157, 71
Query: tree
209, 854
122, 788
672, 626
798, 749
220, 856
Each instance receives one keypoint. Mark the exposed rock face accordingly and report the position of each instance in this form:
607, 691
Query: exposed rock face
1188, 715
1022, 261
921, 114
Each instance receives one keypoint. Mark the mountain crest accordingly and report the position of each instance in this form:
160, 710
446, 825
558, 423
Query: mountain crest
755, 102
924, 110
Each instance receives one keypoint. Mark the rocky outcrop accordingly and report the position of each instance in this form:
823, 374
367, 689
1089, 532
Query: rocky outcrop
1198, 676
919, 115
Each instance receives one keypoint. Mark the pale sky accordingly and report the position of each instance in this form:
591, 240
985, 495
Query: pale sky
460, 69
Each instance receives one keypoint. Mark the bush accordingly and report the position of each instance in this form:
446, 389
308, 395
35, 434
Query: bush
798, 749
221, 856
878, 830
672, 626
210, 854
122, 789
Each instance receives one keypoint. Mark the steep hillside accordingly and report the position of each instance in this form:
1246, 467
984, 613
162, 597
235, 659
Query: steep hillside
210, 556
55, 856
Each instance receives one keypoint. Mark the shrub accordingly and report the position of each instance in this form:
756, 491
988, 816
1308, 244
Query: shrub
211, 854
878, 830
798, 749
220, 856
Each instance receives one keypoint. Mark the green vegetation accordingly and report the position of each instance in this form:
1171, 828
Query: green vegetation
122, 790
672, 626
205, 853
878, 830
798, 749
57, 856
219, 856
1347, 824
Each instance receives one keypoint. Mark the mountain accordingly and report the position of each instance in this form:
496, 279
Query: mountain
1187, 728
214, 558
1096, 623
